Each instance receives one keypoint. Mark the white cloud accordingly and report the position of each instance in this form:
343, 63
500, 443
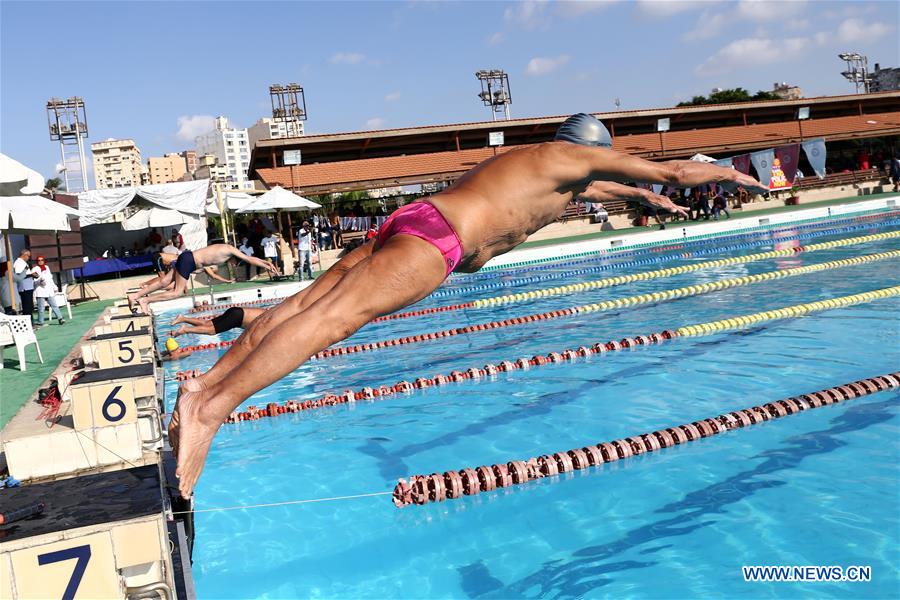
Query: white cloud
823, 37
375, 123
576, 8
855, 30
543, 65
769, 10
667, 8
392, 97
752, 52
708, 26
347, 58
528, 14
189, 127
496, 38
797, 24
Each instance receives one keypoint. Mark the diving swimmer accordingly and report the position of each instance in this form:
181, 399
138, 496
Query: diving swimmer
487, 212
188, 262
230, 319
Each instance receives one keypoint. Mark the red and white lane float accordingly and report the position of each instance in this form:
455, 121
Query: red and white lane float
437, 487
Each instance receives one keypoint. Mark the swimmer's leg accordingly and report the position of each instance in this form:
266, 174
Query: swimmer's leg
160, 283
204, 329
404, 270
276, 315
189, 320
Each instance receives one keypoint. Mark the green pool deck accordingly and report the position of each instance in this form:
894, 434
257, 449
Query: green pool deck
735, 214
56, 341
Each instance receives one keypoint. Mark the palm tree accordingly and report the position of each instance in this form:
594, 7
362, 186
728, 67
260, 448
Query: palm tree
54, 185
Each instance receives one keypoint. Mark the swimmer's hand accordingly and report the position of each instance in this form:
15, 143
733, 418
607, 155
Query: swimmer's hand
738, 179
663, 203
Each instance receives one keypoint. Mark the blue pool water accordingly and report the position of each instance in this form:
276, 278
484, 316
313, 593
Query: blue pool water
816, 488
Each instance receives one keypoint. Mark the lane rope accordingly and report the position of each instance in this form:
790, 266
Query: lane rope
787, 235
437, 487
654, 297
273, 409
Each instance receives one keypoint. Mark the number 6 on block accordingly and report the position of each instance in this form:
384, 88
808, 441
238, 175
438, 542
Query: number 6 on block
113, 404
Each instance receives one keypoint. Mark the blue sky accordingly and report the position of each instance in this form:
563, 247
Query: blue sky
159, 72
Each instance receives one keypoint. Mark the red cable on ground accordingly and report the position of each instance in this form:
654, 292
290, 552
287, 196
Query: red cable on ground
421, 489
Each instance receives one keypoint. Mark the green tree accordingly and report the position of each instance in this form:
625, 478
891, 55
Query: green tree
55, 184
729, 96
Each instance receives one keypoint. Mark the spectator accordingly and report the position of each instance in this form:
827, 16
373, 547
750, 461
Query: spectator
5, 290
177, 240
720, 206
247, 249
337, 238
24, 279
895, 172
45, 291
304, 246
682, 199
270, 249
153, 240
699, 202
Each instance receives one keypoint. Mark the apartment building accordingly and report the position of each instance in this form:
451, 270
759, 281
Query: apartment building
231, 148
117, 163
270, 129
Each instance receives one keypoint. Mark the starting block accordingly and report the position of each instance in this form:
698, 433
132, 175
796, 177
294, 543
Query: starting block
97, 536
111, 418
119, 349
120, 323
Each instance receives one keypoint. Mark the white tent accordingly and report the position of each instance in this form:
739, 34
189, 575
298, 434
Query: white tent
231, 200
187, 197
703, 158
30, 214
277, 199
154, 217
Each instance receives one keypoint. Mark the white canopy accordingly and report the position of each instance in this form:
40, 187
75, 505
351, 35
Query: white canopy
155, 217
15, 173
279, 198
232, 201
183, 196
27, 214
703, 158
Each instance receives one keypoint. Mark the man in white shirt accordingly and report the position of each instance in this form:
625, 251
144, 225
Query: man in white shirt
24, 281
247, 249
304, 245
270, 248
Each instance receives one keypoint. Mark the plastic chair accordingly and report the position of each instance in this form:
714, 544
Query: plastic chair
20, 333
62, 299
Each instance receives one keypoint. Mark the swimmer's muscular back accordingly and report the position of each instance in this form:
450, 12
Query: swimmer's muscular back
214, 254
499, 203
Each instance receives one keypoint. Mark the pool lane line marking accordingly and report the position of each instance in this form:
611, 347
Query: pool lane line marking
786, 235
273, 409
641, 299
285, 503
437, 487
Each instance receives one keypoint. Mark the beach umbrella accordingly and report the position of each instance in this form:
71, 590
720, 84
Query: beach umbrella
31, 214
279, 199
17, 179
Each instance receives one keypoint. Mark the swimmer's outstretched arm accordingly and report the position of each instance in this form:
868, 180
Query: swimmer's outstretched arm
609, 165
605, 191
254, 261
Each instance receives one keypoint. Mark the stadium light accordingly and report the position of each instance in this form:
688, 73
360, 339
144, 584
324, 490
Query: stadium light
495, 91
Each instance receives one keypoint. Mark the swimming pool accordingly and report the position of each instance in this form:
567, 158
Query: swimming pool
815, 488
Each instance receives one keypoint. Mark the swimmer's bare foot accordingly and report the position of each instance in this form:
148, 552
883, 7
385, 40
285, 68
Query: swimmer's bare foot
145, 305
180, 331
178, 319
191, 431
130, 298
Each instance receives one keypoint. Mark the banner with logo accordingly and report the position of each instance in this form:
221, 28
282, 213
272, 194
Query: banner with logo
788, 156
741, 163
762, 162
815, 153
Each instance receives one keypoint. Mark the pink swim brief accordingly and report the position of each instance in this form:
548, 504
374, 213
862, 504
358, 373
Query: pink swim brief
424, 221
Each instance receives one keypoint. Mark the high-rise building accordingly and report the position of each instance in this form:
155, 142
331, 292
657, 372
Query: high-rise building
117, 163
190, 160
231, 148
268, 128
168, 168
